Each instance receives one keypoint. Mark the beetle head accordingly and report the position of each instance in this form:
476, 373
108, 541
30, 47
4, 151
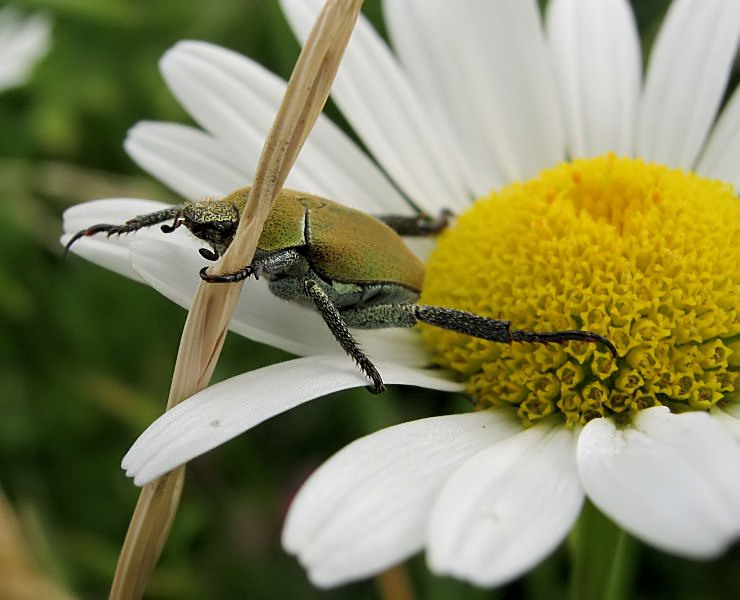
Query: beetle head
213, 221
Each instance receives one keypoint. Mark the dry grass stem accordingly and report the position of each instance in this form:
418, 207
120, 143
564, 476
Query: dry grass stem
395, 584
213, 305
20, 576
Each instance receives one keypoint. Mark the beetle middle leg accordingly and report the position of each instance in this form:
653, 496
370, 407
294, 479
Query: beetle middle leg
276, 262
419, 225
338, 327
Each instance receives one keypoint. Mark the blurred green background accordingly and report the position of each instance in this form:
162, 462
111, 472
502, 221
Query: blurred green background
86, 356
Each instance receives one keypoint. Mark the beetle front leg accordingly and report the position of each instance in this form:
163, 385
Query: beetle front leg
338, 327
276, 262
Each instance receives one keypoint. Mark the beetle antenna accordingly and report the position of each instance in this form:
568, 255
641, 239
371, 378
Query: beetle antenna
140, 222
500, 331
175, 224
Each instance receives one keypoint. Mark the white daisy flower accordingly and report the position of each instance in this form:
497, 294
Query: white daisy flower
614, 210
23, 42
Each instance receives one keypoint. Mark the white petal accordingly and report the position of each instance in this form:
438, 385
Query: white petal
720, 156
431, 66
111, 252
366, 508
236, 100
189, 161
671, 480
402, 346
223, 411
596, 58
483, 71
689, 66
202, 78
377, 99
23, 41
506, 508
730, 418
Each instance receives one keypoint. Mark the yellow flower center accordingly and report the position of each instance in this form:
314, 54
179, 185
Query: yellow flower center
640, 253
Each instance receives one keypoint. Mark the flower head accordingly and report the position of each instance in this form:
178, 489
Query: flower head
635, 251
478, 102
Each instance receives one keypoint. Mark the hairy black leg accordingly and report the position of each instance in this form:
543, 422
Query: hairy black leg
419, 225
131, 225
500, 331
341, 333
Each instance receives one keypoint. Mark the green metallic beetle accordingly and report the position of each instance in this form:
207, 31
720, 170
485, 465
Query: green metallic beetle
352, 267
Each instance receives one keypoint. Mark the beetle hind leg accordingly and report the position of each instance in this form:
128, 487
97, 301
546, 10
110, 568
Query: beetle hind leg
500, 331
460, 321
338, 327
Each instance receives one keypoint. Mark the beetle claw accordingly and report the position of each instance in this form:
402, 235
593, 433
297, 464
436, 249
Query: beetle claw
240, 275
378, 387
109, 230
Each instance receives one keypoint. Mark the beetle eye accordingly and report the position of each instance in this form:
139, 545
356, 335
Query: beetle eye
225, 227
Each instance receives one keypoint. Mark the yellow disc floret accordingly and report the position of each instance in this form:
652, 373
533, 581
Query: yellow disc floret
643, 254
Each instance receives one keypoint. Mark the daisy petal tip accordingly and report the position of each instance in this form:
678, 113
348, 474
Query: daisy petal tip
174, 58
444, 564
321, 579
187, 50
447, 567
136, 134
143, 479
178, 48
138, 474
327, 577
148, 472
128, 464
